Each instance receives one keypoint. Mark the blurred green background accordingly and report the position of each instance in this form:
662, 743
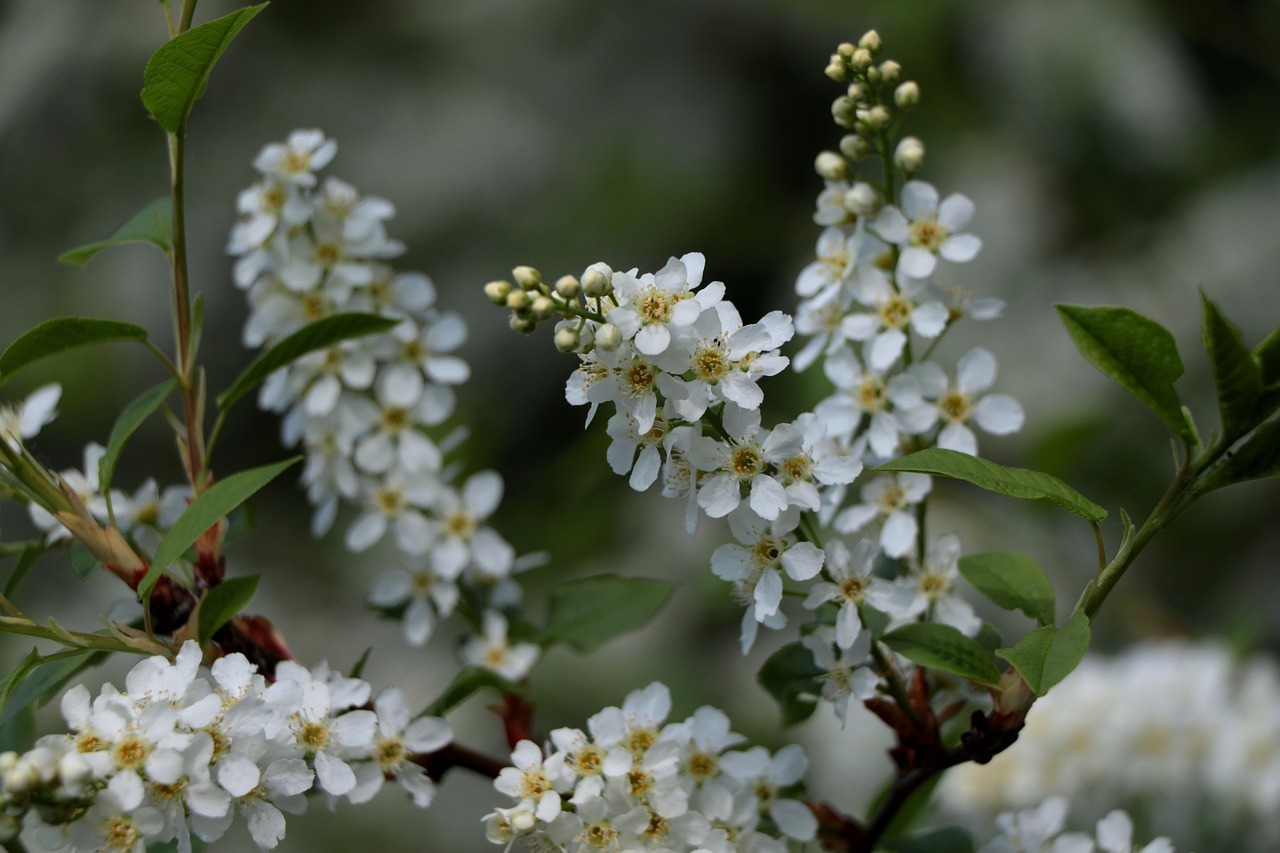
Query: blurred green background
1118, 151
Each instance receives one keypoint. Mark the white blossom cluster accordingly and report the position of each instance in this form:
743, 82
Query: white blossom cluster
1190, 734
681, 372
1039, 830
181, 751
309, 249
633, 782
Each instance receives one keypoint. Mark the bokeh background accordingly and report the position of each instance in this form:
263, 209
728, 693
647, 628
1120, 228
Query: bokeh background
1118, 151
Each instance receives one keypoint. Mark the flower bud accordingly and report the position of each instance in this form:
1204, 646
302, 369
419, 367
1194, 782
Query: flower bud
873, 76
836, 69
845, 50
863, 200
909, 155
21, 779
608, 337
44, 763
74, 771
877, 117
526, 277
597, 281
871, 41
519, 300
497, 291
831, 166
542, 307
855, 147
861, 58
858, 92
8, 760
567, 339
907, 95
890, 71
568, 287
843, 111
522, 324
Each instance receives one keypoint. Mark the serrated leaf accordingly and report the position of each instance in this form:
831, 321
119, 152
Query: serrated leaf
1135, 351
153, 224
949, 839
588, 612
204, 512
1012, 482
468, 681
126, 425
1256, 457
944, 648
791, 677
26, 561
1237, 375
318, 335
1047, 655
177, 73
61, 334
222, 602
1012, 581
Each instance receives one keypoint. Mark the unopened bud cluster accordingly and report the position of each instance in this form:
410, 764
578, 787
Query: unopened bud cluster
572, 299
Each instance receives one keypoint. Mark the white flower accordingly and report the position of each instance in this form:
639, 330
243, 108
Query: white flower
398, 739
925, 230
493, 651
844, 675
892, 499
998, 414
461, 537
530, 778
20, 421
297, 158
426, 593
756, 567
935, 592
651, 304
853, 583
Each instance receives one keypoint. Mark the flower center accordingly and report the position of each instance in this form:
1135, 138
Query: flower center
653, 306
955, 406
852, 588
767, 551
895, 312
389, 500
871, 394
639, 379
328, 254
891, 499
703, 766
314, 736
710, 363
534, 784
798, 468
927, 234
394, 419
745, 461
131, 752
934, 585
391, 752
460, 525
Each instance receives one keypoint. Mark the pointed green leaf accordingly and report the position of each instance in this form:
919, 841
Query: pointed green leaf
1012, 581
588, 612
37, 679
176, 74
791, 677
1135, 351
318, 335
26, 561
470, 680
61, 334
204, 512
1236, 373
1256, 457
19, 733
153, 224
1013, 482
222, 602
357, 671
126, 425
1047, 655
942, 647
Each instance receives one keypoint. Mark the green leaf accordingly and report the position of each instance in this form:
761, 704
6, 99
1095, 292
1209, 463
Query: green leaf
949, 839
222, 602
469, 680
1013, 482
19, 733
1012, 581
177, 73
942, 647
1047, 655
791, 677
204, 512
1256, 457
1135, 351
1236, 373
82, 559
126, 425
26, 561
1268, 355
588, 612
318, 335
358, 670
61, 334
37, 679
153, 224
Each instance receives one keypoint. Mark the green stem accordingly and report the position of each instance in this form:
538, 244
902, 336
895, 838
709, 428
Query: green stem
188, 12
93, 642
896, 688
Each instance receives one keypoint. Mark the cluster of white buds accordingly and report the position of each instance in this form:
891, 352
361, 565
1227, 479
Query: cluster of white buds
364, 409
632, 781
180, 751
